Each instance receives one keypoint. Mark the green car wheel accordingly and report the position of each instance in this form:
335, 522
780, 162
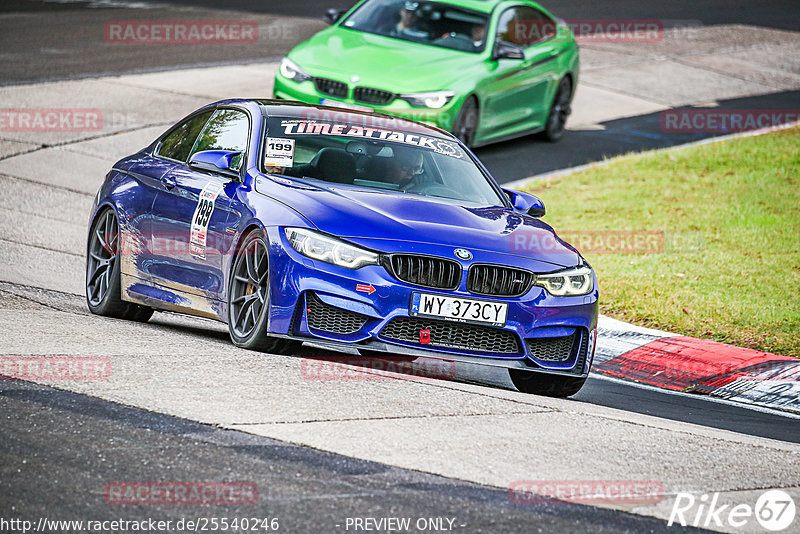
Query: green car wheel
559, 111
466, 123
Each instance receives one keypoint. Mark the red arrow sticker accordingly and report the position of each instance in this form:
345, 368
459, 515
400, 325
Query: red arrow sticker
365, 288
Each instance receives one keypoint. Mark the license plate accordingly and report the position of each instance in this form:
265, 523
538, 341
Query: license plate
458, 309
343, 105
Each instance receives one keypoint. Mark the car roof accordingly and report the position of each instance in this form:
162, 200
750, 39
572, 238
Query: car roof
484, 6
289, 109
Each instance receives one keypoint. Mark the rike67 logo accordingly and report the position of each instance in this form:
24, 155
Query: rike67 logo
774, 511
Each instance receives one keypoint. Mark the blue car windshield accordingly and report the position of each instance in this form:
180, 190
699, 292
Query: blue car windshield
366, 155
428, 23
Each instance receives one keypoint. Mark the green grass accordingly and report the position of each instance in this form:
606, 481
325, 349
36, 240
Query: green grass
730, 213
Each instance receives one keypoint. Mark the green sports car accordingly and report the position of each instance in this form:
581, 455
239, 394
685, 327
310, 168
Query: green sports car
486, 70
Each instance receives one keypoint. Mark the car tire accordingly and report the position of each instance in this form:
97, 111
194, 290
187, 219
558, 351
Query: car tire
103, 287
560, 109
248, 299
545, 384
466, 124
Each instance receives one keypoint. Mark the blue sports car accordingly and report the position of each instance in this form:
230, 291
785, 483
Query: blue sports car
300, 223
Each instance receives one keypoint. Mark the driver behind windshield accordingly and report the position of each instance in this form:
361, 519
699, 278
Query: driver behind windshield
444, 25
404, 166
407, 26
478, 35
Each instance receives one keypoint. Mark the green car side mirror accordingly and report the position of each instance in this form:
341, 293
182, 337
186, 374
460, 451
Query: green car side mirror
333, 15
503, 50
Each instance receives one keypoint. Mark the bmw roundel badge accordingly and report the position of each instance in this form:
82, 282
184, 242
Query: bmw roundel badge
463, 254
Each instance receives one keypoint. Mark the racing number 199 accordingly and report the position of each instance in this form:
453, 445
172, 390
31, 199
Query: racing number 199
204, 212
283, 147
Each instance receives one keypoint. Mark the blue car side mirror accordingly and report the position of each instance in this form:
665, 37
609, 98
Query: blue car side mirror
220, 161
530, 204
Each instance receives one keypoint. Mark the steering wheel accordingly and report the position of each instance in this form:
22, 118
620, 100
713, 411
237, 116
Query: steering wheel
438, 191
455, 40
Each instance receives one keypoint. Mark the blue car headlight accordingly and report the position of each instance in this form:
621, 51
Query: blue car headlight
291, 71
321, 247
569, 282
433, 100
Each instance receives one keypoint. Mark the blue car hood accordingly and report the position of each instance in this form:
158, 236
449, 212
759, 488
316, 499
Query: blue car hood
358, 213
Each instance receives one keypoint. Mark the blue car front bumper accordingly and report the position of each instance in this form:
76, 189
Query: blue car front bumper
368, 308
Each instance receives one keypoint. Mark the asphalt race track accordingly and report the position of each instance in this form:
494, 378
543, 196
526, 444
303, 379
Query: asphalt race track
306, 489
38, 40
39, 43
184, 405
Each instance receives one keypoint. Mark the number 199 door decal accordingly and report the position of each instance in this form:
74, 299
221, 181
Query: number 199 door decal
201, 219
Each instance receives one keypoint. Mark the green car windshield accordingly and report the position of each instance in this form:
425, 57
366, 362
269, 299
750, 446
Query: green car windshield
376, 157
430, 23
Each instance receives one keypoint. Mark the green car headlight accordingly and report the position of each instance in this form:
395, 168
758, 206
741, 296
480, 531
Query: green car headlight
291, 71
321, 247
570, 282
433, 100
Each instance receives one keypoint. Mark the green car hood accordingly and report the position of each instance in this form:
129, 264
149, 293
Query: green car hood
383, 62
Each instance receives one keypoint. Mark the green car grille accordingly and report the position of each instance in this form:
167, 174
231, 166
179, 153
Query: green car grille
377, 97
331, 87
366, 95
